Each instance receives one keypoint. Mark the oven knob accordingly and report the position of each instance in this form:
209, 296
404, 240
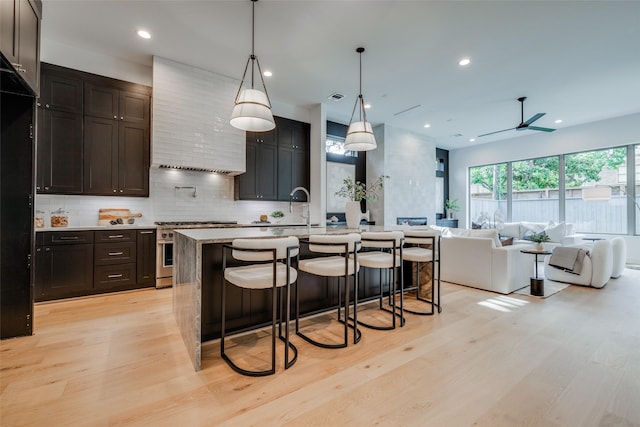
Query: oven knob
171, 235
164, 234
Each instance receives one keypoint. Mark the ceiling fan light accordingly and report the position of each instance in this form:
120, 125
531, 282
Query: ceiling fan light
252, 112
360, 137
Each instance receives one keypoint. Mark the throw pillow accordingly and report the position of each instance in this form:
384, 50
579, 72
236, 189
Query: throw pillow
556, 232
507, 241
528, 228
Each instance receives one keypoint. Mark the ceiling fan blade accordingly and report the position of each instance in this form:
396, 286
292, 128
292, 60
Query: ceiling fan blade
498, 131
534, 118
541, 129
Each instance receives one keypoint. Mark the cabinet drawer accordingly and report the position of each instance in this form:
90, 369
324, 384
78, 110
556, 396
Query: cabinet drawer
67, 237
111, 276
114, 253
115, 236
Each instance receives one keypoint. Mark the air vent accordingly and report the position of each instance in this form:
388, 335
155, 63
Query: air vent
335, 96
192, 169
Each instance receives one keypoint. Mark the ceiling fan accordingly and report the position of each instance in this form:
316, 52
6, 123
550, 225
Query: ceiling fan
524, 125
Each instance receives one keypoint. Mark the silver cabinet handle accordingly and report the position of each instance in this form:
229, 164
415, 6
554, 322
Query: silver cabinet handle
115, 117
115, 191
121, 118
115, 253
146, 232
122, 191
116, 236
68, 237
114, 276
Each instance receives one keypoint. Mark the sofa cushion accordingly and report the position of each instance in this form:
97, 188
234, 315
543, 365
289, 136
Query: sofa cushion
511, 229
556, 232
490, 233
528, 228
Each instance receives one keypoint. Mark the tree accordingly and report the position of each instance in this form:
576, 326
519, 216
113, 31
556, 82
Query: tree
542, 173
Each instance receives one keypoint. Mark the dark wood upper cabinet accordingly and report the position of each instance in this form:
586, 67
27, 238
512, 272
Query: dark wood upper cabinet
260, 182
293, 158
61, 89
93, 135
100, 156
20, 38
277, 162
59, 152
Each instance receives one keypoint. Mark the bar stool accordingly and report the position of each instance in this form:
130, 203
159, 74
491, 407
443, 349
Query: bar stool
341, 260
270, 269
385, 252
425, 249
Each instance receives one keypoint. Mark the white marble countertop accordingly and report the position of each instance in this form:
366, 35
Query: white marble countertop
224, 235
98, 227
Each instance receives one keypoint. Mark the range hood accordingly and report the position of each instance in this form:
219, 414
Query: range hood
191, 130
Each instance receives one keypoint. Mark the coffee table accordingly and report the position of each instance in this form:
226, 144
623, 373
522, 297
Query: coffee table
536, 282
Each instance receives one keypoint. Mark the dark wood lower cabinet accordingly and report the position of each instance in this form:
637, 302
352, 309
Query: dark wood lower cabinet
248, 309
79, 263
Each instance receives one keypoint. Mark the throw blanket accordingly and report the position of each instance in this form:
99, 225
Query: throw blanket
568, 259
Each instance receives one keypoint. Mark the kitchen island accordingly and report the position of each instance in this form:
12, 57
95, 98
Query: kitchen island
197, 281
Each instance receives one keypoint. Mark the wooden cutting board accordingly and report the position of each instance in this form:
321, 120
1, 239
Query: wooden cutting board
105, 216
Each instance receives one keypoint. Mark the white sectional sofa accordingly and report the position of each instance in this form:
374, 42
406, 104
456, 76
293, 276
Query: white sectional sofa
476, 258
561, 234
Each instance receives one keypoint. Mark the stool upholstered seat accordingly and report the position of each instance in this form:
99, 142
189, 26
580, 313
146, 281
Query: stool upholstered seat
340, 261
385, 252
425, 248
270, 270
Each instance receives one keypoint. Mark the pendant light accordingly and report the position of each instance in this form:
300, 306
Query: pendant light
360, 134
252, 110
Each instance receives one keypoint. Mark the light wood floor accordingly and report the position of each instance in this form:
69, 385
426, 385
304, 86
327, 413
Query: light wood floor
488, 360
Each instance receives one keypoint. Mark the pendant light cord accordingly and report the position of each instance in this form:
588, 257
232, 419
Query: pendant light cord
253, 38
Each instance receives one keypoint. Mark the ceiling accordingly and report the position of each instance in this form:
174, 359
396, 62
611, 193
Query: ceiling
578, 61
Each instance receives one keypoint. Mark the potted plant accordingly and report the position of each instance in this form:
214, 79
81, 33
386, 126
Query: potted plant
355, 192
451, 205
277, 216
539, 239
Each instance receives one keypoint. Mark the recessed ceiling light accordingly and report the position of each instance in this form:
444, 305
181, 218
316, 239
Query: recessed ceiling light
267, 73
472, 140
558, 121
464, 61
144, 34
367, 105
427, 125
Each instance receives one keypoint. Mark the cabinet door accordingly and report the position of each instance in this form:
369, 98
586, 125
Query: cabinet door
133, 159
101, 101
60, 93
293, 158
59, 152
71, 271
247, 189
260, 181
29, 45
266, 176
9, 15
146, 262
134, 108
100, 156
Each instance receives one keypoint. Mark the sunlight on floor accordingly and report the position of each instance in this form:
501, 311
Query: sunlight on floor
503, 303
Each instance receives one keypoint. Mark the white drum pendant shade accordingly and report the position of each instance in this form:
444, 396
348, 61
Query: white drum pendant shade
252, 112
360, 137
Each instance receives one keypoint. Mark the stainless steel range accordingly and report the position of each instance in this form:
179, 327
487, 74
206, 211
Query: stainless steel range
164, 239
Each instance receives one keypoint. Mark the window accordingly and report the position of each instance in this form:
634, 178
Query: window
595, 191
335, 145
637, 188
488, 205
534, 191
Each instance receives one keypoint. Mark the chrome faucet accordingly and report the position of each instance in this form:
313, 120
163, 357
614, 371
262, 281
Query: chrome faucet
308, 202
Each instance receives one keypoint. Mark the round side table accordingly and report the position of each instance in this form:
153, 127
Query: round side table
536, 282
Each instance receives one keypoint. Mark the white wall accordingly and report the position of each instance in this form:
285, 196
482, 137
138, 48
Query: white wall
602, 134
409, 160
